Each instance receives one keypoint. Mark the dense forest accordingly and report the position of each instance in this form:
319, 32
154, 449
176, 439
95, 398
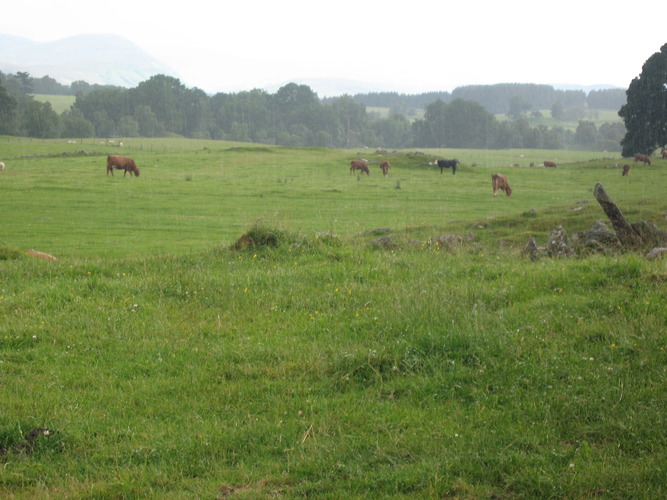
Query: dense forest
477, 116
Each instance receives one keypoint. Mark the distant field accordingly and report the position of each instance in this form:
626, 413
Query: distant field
59, 103
596, 116
198, 194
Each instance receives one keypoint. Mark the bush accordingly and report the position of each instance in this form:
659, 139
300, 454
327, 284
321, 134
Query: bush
261, 236
9, 253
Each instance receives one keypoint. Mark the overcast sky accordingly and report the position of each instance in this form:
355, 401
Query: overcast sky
411, 47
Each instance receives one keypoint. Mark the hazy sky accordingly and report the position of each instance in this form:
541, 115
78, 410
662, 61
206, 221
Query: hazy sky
414, 46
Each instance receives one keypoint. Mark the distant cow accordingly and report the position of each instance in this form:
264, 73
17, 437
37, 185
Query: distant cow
500, 182
385, 166
626, 169
443, 164
359, 165
549, 164
122, 163
664, 154
642, 158
2, 166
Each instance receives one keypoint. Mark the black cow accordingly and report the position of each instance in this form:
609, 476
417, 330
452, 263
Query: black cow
443, 164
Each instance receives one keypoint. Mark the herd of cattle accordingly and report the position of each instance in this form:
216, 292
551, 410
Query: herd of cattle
498, 181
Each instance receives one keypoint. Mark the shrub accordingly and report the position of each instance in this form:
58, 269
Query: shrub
261, 236
9, 253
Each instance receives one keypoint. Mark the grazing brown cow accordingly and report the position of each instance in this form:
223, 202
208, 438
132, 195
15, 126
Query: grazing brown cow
122, 163
359, 165
664, 154
626, 169
549, 164
385, 166
642, 158
500, 182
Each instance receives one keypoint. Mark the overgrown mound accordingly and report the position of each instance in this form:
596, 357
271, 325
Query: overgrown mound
261, 236
9, 253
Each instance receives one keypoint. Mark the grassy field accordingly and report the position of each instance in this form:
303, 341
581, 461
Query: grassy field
59, 103
153, 361
193, 195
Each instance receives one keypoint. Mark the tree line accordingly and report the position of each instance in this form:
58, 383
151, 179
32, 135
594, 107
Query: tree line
295, 116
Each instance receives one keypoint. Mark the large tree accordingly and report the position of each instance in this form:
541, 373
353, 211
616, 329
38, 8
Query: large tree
645, 114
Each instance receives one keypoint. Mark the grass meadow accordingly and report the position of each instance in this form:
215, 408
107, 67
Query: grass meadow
152, 360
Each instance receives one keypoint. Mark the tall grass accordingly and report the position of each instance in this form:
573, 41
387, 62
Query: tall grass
308, 364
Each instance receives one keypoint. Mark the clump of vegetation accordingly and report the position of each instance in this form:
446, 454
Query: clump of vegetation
262, 236
7, 253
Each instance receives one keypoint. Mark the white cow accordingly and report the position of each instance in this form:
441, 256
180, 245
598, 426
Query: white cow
2, 166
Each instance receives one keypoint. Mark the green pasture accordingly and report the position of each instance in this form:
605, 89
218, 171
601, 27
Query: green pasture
59, 103
152, 360
193, 195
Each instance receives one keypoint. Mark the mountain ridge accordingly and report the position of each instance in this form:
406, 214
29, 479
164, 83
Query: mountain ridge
109, 59
104, 59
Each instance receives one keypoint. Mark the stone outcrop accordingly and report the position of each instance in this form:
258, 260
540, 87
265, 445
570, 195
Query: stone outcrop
558, 244
600, 238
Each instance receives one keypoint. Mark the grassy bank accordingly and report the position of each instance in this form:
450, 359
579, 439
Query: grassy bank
314, 370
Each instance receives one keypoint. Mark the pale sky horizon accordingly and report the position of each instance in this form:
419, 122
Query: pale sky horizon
410, 48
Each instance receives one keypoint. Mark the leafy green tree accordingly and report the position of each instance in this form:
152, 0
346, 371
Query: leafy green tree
518, 107
112, 103
433, 130
558, 111
25, 81
128, 127
611, 135
586, 134
39, 120
351, 120
8, 107
74, 124
149, 126
248, 108
471, 126
104, 125
393, 131
166, 96
459, 124
645, 113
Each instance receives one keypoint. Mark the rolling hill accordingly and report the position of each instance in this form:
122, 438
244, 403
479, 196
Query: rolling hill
97, 59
